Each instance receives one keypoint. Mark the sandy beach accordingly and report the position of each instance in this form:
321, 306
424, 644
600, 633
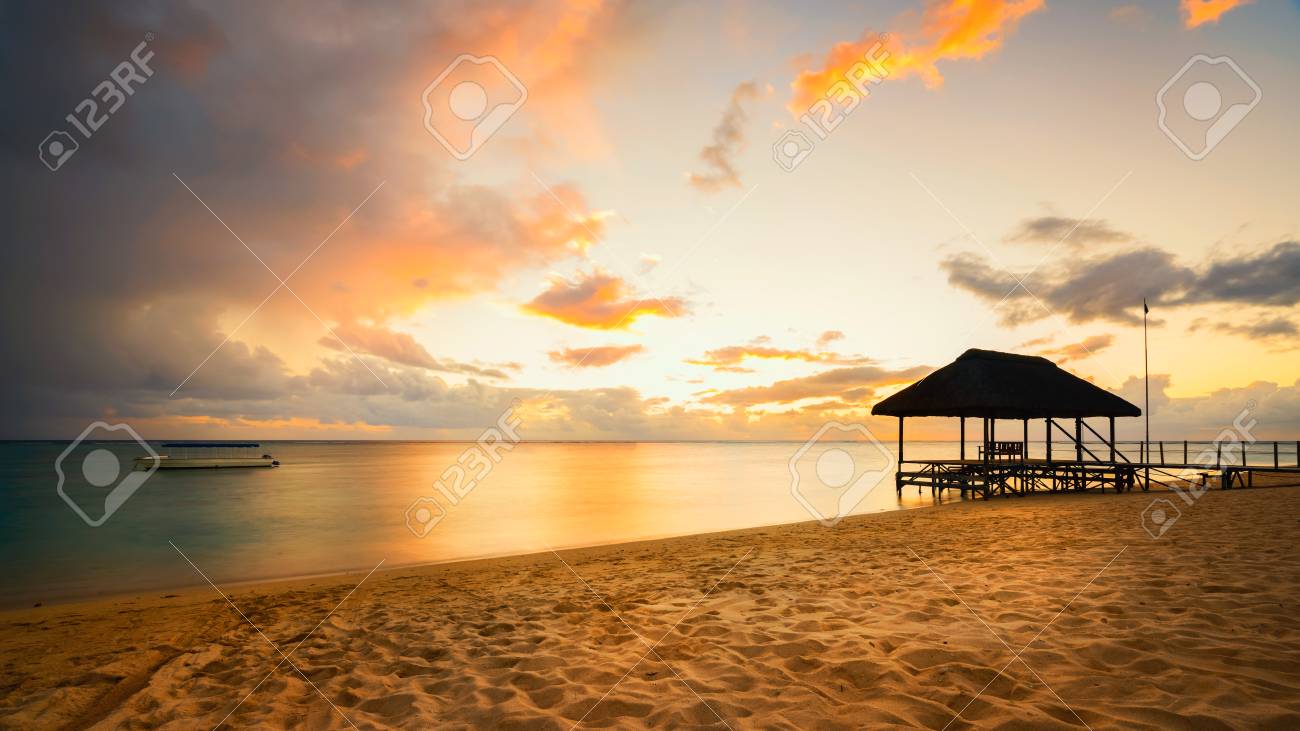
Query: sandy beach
1053, 611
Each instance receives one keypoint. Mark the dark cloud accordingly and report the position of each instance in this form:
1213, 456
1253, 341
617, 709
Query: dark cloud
1101, 288
282, 118
1270, 329
1270, 277
1110, 287
1071, 231
728, 140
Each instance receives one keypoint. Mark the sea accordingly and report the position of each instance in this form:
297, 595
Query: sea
77, 520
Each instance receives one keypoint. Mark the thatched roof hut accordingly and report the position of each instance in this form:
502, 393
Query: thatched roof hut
994, 385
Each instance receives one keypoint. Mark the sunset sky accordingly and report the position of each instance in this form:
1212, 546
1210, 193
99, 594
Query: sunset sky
624, 257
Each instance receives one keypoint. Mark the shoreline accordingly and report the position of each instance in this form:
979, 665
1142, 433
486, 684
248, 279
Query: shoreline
331, 578
312, 578
144, 593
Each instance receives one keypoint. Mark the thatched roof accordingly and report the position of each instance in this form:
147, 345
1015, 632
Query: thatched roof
986, 383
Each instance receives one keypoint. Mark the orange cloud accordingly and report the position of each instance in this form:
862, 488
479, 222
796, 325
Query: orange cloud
398, 347
550, 44
400, 254
950, 30
1200, 12
829, 337
596, 357
849, 385
728, 359
1081, 350
600, 301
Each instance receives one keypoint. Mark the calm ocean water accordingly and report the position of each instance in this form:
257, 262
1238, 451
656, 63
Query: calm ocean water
344, 506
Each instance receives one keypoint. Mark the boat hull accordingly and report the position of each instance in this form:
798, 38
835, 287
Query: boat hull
205, 463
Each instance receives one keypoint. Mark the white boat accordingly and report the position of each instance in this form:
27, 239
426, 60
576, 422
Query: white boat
207, 455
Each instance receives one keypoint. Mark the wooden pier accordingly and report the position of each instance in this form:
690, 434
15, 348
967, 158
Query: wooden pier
1004, 477
986, 478
992, 386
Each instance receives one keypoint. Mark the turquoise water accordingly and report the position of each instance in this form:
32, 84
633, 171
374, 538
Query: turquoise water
344, 506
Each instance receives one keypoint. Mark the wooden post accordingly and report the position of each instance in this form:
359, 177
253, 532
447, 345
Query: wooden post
1078, 439
1243, 454
963, 438
898, 473
1112, 438
1024, 454
1049, 439
1274, 455
985, 456
1184, 451
1218, 454
1162, 451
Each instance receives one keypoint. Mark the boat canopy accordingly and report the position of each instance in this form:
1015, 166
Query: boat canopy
211, 445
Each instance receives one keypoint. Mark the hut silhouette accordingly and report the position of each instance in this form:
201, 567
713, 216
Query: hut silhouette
990, 386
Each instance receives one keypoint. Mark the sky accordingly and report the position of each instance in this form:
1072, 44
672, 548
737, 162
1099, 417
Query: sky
656, 220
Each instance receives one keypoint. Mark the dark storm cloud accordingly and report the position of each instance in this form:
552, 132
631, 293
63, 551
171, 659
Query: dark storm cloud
1271, 277
1111, 287
282, 118
120, 278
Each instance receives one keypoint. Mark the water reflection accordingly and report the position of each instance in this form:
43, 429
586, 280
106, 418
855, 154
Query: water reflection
334, 507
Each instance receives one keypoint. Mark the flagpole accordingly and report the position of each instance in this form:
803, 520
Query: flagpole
1146, 390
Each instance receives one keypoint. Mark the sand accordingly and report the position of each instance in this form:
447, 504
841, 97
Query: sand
1052, 611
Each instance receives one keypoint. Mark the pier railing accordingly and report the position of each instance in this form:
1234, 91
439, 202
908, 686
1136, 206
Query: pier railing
1208, 454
